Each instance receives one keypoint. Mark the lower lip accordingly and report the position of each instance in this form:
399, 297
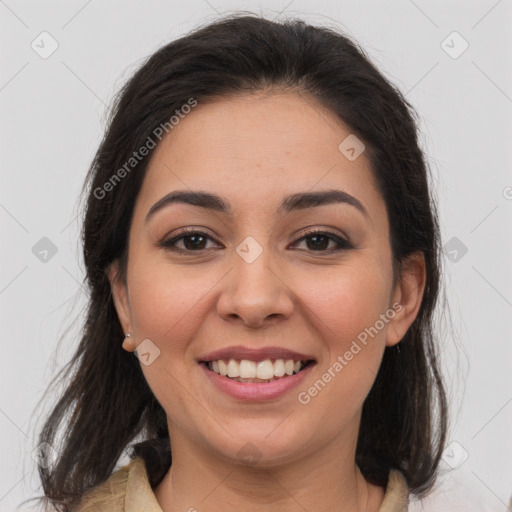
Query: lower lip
254, 391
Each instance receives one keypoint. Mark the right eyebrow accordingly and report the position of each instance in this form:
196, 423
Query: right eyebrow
202, 199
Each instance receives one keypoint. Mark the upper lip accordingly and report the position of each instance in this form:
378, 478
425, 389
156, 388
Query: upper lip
240, 352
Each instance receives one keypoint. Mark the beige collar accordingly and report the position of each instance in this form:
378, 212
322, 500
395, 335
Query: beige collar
128, 490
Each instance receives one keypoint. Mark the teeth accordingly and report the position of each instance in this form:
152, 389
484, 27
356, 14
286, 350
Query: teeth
264, 370
233, 368
279, 368
248, 369
223, 368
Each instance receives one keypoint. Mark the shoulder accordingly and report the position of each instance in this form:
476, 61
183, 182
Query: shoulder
126, 489
396, 498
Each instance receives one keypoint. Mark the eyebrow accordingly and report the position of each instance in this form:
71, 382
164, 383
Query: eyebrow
298, 201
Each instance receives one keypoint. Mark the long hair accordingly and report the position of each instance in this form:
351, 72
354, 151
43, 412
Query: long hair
107, 403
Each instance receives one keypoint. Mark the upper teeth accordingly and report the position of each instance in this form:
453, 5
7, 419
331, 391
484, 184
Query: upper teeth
246, 369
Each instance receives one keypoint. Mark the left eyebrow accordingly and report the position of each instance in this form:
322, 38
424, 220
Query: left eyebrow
298, 201
303, 200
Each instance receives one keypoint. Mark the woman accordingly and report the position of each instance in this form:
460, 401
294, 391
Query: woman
262, 253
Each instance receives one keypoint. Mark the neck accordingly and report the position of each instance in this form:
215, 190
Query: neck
204, 480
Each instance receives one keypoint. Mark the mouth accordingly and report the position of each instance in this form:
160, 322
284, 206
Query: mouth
257, 372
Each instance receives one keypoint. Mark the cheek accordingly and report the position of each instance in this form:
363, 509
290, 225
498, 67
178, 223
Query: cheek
174, 307
168, 307
346, 313
167, 302
346, 302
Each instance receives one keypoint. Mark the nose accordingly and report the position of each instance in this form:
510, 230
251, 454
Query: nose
255, 293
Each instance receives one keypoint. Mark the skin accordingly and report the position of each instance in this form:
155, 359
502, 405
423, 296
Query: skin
253, 150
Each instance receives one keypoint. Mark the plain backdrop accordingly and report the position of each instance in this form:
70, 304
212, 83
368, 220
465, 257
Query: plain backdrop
453, 62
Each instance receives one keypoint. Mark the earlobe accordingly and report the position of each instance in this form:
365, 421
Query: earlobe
121, 302
408, 295
129, 343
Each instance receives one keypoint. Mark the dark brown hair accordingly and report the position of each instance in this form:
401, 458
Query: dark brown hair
107, 404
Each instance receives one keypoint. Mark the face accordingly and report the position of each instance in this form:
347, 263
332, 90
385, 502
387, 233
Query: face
258, 270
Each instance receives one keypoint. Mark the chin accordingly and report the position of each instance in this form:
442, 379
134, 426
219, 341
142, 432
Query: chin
264, 447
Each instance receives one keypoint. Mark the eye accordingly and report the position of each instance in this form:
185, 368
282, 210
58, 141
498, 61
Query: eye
318, 241
193, 241
196, 241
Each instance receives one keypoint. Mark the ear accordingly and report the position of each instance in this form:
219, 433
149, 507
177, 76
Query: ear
121, 302
407, 297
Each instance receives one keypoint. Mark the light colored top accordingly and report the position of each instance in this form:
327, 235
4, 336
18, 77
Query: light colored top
128, 490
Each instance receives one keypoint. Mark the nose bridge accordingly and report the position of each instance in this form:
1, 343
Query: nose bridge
255, 291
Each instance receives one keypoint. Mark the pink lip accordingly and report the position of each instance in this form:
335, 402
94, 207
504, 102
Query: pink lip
254, 391
254, 354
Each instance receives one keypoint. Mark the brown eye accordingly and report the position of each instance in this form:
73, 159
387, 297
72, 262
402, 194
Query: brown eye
193, 241
318, 241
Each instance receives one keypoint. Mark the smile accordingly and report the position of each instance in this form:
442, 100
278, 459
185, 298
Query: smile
272, 386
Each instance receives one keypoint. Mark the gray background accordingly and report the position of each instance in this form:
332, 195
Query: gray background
53, 116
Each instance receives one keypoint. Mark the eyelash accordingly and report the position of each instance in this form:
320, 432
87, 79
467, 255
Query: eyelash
185, 233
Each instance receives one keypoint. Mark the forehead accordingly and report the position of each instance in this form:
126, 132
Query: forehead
255, 149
